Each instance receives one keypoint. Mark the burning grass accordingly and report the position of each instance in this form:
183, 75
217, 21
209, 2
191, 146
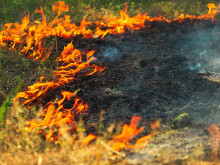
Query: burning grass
58, 114
29, 148
18, 146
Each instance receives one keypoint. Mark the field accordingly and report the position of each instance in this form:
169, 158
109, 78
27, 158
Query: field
197, 144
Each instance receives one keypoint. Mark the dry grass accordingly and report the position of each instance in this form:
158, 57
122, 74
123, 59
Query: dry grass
18, 146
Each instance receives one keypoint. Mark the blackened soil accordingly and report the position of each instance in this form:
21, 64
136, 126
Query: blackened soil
158, 72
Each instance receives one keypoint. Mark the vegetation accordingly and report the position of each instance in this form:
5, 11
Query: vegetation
14, 10
17, 145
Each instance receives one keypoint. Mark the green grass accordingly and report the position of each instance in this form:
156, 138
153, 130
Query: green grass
14, 10
6, 104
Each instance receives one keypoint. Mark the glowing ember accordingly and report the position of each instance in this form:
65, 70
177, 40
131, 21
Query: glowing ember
29, 39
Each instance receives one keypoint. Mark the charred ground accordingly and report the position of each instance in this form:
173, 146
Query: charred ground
157, 72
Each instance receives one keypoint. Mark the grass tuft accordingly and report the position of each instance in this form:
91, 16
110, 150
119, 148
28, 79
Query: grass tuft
6, 104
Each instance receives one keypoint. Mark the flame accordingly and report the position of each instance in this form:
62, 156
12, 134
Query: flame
29, 38
213, 10
89, 138
60, 116
71, 66
137, 22
128, 133
116, 25
214, 137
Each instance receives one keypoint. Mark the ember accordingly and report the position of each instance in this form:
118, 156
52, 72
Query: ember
76, 66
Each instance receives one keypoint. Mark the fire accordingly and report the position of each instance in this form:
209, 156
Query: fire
213, 10
137, 22
72, 64
116, 25
128, 133
214, 137
60, 116
89, 138
29, 39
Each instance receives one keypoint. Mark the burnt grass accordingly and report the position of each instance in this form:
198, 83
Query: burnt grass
156, 73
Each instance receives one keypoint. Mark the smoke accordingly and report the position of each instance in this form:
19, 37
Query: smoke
159, 73
109, 53
204, 49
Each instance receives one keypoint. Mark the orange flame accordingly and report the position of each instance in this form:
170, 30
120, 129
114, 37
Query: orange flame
28, 38
128, 133
89, 138
214, 135
116, 25
213, 10
60, 116
71, 66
